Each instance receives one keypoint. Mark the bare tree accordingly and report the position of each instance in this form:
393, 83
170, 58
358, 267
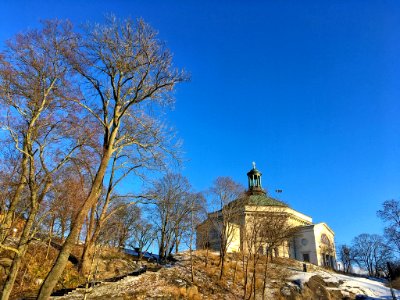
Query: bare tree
346, 256
171, 206
267, 230
278, 230
224, 191
251, 251
126, 70
196, 202
31, 85
9, 183
390, 213
143, 235
120, 225
371, 252
203, 232
124, 163
70, 190
35, 86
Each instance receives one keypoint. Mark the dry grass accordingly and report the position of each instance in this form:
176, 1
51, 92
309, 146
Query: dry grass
231, 286
396, 283
175, 282
36, 265
167, 283
34, 268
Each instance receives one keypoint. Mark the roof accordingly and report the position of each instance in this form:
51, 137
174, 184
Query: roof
254, 171
263, 200
319, 224
258, 200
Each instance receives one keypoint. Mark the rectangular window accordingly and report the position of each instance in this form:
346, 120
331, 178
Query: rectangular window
306, 257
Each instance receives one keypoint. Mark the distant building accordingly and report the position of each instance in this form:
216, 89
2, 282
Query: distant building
312, 243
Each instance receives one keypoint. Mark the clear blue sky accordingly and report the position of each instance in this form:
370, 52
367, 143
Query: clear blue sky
309, 90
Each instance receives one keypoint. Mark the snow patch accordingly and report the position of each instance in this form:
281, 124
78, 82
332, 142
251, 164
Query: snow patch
370, 287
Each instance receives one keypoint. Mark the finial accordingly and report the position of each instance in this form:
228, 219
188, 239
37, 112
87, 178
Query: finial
254, 165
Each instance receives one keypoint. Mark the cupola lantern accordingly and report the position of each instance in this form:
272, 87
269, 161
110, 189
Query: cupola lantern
254, 180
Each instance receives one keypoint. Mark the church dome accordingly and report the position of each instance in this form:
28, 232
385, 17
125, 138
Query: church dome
263, 200
256, 200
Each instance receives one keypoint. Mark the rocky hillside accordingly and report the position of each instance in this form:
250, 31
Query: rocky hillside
285, 281
109, 263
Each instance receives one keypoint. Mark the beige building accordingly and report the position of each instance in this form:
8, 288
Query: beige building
257, 214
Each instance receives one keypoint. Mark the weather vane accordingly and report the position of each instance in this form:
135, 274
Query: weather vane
254, 165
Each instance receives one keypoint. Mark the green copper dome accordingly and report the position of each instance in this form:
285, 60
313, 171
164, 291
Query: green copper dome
256, 200
263, 200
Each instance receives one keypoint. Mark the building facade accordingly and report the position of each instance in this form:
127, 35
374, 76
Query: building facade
275, 228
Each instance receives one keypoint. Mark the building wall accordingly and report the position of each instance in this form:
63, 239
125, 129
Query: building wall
306, 245
294, 219
208, 234
233, 241
322, 248
309, 242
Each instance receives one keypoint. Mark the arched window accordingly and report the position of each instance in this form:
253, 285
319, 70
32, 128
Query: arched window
325, 240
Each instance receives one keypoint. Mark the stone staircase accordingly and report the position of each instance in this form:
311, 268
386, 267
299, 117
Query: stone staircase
79, 292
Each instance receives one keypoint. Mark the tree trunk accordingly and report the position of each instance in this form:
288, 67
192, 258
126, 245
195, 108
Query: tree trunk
222, 266
265, 277
252, 281
246, 274
8, 218
62, 224
161, 248
88, 249
22, 248
254, 274
234, 272
84, 265
191, 266
206, 260
94, 227
12, 274
62, 259
50, 235
35, 200
223, 249
190, 243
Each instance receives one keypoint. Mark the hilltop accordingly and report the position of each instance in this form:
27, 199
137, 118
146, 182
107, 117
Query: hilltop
286, 280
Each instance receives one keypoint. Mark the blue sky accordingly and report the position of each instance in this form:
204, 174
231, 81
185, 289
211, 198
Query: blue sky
309, 90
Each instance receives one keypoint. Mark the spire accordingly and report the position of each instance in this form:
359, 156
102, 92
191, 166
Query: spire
254, 180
